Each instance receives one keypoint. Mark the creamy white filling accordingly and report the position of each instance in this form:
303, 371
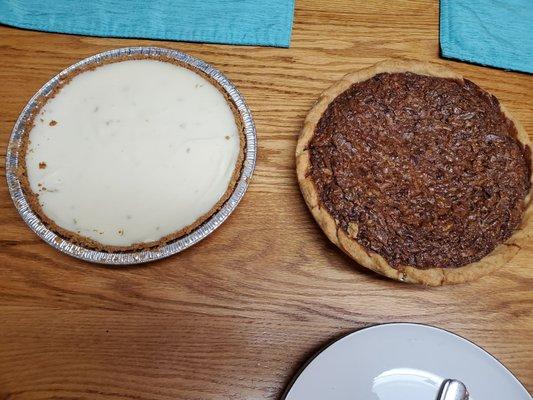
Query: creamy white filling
132, 151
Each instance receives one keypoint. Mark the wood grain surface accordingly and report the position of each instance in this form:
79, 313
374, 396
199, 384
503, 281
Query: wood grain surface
235, 316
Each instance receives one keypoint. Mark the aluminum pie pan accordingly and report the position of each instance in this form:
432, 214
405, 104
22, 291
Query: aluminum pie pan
139, 256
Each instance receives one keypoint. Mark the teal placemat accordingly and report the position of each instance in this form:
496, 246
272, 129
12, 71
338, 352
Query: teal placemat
246, 22
498, 33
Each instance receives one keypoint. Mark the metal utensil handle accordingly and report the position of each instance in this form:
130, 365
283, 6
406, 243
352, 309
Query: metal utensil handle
452, 389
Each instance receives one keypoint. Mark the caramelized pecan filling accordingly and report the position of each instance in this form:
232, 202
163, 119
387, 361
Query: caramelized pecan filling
429, 169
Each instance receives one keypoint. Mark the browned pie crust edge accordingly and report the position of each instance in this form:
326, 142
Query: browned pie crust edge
502, 254
73, 237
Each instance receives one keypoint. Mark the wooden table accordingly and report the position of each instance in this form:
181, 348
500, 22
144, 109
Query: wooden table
235, 316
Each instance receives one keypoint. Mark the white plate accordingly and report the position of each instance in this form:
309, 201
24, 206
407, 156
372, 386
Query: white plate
399, 362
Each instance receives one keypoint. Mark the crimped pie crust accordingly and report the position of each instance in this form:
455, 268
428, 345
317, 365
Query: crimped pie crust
346, 240
89, 243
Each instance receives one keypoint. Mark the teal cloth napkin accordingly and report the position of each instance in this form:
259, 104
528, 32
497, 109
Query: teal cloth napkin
498, 33
245, 22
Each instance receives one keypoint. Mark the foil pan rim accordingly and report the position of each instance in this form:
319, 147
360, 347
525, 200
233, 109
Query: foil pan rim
143, 256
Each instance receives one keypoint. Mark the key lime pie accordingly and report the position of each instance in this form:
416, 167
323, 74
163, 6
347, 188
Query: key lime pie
131, 154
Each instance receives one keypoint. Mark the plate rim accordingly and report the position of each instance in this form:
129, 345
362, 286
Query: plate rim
136, 256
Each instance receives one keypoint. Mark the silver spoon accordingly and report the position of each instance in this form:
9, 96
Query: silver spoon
452, 389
